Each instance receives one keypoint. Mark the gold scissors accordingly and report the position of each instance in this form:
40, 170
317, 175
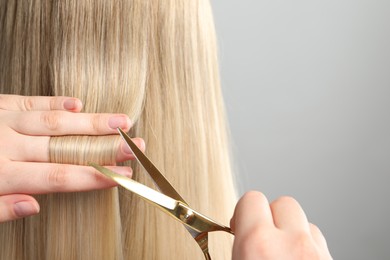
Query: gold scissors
169, 200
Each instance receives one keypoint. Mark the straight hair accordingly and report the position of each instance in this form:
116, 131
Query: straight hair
153, 60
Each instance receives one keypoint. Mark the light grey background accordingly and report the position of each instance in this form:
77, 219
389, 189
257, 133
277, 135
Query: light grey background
307, 89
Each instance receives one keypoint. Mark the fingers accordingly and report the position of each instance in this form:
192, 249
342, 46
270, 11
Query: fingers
284, 213
40, 178
26, 126
36, 149
37, 103
17, 206
275, 231
27, 148
57, 123
124, 153
251, 211
289, 215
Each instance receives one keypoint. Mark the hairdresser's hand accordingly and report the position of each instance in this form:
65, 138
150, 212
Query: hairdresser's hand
279, 230
26, 124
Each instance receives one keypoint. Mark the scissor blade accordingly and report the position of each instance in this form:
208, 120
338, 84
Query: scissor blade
199, 233
143, 191
159, 179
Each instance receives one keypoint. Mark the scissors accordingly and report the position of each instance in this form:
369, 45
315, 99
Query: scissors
168, 200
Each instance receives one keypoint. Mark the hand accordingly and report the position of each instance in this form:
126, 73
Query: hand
276, 231
26, 124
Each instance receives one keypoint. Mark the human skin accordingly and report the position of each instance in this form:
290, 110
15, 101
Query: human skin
279, 230
26, 124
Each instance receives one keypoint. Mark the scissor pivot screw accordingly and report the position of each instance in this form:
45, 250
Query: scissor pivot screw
187, 216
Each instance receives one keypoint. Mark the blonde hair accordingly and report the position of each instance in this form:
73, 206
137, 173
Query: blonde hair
157, 62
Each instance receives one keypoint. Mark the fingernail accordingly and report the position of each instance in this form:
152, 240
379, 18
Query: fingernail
126, 149
70, 104
25, 208
138, 142
119, 121
125, 171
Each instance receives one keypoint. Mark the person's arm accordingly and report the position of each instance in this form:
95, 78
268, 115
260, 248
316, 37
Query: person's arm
279, 230
26, 124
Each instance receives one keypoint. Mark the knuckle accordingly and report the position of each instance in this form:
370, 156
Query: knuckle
57, 178
51, 120
28, 104
285, 200
253, 194
53, 103
252, 197
96, 124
